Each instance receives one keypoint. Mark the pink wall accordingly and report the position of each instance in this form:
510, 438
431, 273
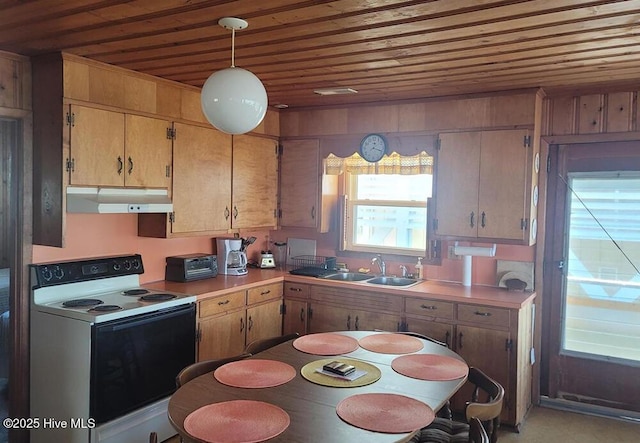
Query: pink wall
95, 235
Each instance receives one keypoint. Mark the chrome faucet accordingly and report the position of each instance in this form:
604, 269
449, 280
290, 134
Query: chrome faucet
381, 264
403, 270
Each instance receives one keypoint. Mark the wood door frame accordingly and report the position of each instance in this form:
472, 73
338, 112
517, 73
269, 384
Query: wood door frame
553, 250
20, 255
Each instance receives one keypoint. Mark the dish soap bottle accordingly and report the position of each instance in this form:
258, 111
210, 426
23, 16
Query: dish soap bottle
419, 269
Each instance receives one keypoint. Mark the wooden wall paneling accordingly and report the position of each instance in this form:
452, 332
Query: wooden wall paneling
367, 119
590, 114
140, 94
8, 83
619, 112
190, 107
168, 99
512, 110
106, 87
270, 125
562, 116
15, 81
76, 80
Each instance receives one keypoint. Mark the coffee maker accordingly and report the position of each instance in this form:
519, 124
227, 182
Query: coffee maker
231, 259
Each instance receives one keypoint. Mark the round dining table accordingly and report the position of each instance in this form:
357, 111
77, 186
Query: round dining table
312, 407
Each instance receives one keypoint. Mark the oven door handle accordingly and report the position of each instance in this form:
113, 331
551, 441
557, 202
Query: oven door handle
148, 318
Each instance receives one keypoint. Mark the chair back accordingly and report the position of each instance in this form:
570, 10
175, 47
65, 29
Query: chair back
265, 343
486, 402
202, 367
477, 433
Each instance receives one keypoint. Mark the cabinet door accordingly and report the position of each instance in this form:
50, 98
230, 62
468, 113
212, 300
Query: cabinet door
457, 180
222, 336
327, 318
201, 179
255, 182
442, 332
96, 147
295, 317
264, 321
490, 351
503, 184
299, 183
368, 321
148, 152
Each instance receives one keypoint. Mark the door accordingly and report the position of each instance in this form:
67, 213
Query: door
255, 182
97, 147
201, 179
592, 352
148, 152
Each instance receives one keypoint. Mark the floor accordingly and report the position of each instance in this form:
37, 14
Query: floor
545, 425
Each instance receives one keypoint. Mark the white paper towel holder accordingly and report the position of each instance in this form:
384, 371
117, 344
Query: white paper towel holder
471, 251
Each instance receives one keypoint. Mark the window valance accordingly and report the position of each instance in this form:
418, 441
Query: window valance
393, 163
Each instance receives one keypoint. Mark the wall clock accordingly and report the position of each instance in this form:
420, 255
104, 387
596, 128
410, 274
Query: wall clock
373, 147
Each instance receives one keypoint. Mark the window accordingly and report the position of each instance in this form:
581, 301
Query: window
386, 203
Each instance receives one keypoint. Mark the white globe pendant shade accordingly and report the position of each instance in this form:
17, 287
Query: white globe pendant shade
234, 100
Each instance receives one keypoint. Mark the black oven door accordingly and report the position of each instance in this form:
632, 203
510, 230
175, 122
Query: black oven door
135, 360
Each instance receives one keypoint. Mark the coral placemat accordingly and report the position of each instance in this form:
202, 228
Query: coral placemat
391, 343
255, 373
389, 413
325, 343
310, 372
241, 421
430, 367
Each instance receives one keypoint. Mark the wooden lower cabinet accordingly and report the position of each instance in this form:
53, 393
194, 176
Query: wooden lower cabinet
326, 318
227, 323
495, 340
296, 308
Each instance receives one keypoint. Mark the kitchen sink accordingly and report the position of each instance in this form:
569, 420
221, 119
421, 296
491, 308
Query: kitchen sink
348, 276
393, 281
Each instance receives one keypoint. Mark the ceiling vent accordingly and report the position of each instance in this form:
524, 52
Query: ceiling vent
335, 91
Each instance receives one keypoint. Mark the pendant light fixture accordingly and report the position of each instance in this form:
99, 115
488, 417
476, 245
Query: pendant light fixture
234, 100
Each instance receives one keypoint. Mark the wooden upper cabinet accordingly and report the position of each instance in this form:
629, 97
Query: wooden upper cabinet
255, 182
300, 183
484, 184
201, 181
148, 152
113, 149
96, 147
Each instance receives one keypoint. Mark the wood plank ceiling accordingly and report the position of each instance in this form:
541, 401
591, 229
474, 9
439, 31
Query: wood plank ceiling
384, 49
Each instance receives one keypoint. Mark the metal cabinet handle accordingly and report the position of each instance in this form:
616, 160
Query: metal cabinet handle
120, 165
130, 165
250, 324
348, 322
222, 303
460, 340
357, 324
429, 307
483, 219
295, 289
313, 212
483, 314
268, 291
447, 337
471, 220
241, 324
226, 213
235, 212
302, 314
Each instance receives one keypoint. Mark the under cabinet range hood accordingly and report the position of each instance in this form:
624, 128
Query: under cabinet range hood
117, 200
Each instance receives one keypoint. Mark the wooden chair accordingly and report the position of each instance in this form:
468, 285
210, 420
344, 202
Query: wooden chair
487, 411
263, 344
477, 433
202, 367
153, 438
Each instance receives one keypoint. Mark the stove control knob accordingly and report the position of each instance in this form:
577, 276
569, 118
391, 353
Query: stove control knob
127, 265
116, 266
58, 272
136, 263
47, 275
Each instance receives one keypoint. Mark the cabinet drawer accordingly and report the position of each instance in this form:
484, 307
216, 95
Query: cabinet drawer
262, 293
296, 290
484, 315
429, 308
224, 303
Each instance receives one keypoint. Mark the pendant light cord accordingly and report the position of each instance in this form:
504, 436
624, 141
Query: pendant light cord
233, 48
